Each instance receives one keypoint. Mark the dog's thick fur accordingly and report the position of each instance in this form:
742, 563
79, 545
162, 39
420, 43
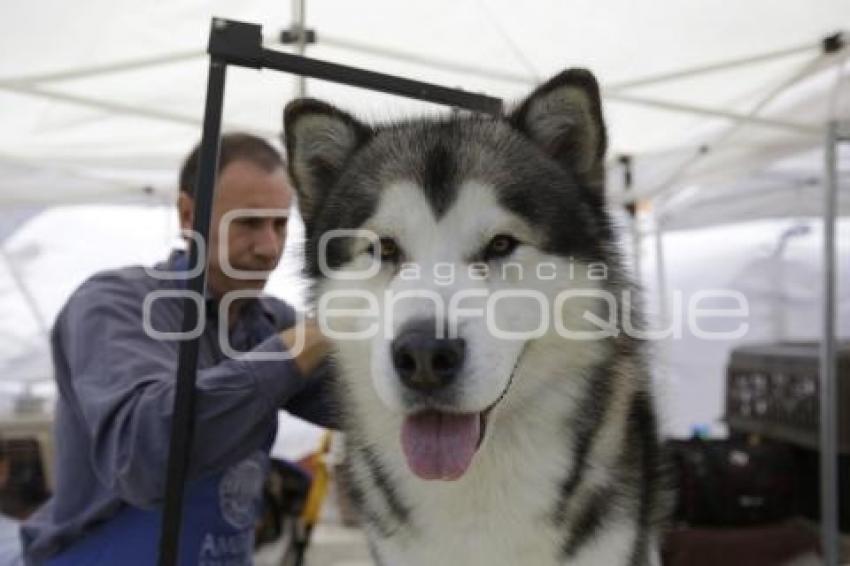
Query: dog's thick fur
568, 466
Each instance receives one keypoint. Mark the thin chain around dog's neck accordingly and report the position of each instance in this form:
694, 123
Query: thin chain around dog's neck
513, 372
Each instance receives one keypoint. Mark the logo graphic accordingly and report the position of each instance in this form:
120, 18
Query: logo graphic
239, 490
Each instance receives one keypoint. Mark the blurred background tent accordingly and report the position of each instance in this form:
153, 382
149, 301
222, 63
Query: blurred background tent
718, 114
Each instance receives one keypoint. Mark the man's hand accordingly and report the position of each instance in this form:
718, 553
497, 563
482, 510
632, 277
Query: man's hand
311, 345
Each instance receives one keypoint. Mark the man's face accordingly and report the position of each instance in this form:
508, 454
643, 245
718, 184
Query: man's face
251, 241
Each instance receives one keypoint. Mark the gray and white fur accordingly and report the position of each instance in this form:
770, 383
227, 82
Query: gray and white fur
568, 467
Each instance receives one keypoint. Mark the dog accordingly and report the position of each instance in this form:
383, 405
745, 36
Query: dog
497, 409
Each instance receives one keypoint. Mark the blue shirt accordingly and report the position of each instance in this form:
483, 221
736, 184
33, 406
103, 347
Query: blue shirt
113, 417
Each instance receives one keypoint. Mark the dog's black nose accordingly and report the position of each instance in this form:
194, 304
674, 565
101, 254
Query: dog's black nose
423, 361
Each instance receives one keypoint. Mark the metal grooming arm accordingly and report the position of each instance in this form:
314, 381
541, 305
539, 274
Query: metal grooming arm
239, 43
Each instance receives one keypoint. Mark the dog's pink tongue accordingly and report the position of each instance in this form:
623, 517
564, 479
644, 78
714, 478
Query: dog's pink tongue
440, 445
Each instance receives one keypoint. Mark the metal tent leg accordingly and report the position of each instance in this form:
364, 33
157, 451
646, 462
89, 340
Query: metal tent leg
836, 132
182, 428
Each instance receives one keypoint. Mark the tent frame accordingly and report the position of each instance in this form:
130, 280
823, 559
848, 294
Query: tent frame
34, 85
838, 132
239, 43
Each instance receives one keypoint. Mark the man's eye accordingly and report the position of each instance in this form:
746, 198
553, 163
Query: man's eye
389, 250
502, 245
249, 221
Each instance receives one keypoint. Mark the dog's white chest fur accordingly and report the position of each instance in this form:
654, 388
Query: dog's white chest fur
498, 515
501, 512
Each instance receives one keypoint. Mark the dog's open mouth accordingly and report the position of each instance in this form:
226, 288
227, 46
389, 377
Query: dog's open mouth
440, 445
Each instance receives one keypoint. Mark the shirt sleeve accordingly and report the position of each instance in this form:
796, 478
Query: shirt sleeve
123, 382
317, 401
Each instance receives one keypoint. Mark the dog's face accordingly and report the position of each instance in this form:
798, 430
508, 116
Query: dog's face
441, 250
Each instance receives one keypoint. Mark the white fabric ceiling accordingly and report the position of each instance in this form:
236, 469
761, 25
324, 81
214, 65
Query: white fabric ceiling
95, 136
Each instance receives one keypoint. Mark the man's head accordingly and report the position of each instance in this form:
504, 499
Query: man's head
248, 225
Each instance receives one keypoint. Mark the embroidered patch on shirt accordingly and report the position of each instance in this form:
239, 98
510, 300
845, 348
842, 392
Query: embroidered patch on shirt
238, 492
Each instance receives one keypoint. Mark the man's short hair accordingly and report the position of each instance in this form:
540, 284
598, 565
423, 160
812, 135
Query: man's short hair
233, 146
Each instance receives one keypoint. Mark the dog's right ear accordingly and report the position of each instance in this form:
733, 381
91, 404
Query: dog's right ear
564, 118
319, 140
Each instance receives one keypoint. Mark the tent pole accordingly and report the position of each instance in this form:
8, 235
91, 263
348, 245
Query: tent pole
833, 49
104, 69
182, 422
663, 298
109, 68
506, 76
714, 67
430, 62
711, 112
668, 188
828, 391
631, 208
104, 105
120, 108
299, 17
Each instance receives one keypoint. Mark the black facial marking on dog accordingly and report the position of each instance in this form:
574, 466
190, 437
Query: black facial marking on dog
583, 428
399, 510
346, 208
644, 453
589, 522
358, 498
373, 552
550, 197
439, 177
358, 473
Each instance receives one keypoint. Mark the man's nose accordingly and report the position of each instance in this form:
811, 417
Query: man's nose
269, 240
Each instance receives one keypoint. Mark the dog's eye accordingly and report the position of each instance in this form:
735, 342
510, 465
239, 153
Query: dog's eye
388, 248
502, 245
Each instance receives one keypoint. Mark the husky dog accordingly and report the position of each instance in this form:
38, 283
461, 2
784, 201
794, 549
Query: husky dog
497, 410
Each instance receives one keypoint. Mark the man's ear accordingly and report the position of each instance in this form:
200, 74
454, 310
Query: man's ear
564, 118
319, 140
185, 210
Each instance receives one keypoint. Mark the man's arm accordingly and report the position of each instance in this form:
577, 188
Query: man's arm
123, 383
317, 402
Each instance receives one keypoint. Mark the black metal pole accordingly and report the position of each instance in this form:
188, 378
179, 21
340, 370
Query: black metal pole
828, 388
183, 415
316, 69
240, 43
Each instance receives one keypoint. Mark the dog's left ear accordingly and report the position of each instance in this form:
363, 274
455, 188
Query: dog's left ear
564, 117
319, 140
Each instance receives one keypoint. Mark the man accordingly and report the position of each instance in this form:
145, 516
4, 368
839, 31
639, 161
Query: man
115, 372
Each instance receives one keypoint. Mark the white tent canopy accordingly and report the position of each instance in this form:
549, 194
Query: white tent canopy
101, 105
